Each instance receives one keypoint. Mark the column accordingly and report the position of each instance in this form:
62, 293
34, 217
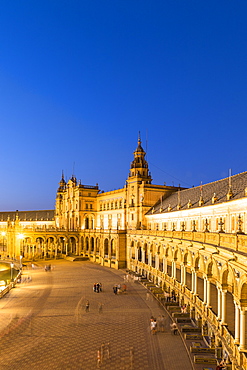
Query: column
157, 260
223, 307
219, 304
165, 265
205, 290
174, 270
143, 256
56, 244
208, 293
182, 274
192, 281
242, 330
237, 323
195, 282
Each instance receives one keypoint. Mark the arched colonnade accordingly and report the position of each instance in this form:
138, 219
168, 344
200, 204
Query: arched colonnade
209, 280
52, 246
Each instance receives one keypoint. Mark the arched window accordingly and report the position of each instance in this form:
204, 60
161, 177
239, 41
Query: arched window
106, 248
113, 249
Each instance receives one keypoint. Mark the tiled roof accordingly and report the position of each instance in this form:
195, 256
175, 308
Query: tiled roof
220, 188
47, 215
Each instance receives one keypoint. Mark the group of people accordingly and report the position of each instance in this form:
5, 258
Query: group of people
157, 325
97, 287
118, 288
170, 297
48, 267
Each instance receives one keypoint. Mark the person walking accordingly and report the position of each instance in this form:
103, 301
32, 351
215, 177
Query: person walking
153, 326
100, 307
87, 306
162, 323
174, 328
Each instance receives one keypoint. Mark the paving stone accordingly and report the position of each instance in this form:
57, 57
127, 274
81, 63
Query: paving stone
48, 328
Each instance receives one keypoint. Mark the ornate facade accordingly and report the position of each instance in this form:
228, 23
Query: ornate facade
192, 241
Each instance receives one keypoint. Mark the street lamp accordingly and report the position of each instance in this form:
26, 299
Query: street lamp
11, 271
21, 237
3, 235
21, 262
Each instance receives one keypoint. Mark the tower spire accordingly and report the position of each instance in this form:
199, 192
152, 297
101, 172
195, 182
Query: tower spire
139, 166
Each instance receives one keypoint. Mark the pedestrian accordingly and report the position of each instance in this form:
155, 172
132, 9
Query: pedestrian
115, 289
107, 348
153, 326
174, 328
98, 359
162, 323
100, 307
87, 306
221, 365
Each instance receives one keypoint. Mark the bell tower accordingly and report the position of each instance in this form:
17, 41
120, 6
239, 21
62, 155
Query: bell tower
139, 178
139, 171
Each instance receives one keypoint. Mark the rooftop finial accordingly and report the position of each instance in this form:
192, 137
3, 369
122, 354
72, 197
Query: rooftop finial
230, 193
139, 138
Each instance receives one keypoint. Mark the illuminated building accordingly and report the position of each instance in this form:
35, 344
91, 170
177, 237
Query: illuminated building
192, 241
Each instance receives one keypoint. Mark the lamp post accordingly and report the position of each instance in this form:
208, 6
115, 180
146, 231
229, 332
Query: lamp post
3, 235
21, 237
11, 271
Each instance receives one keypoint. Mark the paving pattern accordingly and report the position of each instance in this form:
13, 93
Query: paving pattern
44, 324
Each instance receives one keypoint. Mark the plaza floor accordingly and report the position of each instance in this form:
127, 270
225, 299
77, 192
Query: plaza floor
44, 325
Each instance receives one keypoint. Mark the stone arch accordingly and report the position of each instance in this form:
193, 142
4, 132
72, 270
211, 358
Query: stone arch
72, 245
61, 241
209, 268
40, 241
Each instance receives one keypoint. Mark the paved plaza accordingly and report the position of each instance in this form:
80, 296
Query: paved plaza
44, 323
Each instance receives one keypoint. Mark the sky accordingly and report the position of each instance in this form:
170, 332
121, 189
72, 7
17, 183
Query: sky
80, 78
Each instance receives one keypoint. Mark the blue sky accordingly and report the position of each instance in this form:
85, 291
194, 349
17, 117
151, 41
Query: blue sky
79, 79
